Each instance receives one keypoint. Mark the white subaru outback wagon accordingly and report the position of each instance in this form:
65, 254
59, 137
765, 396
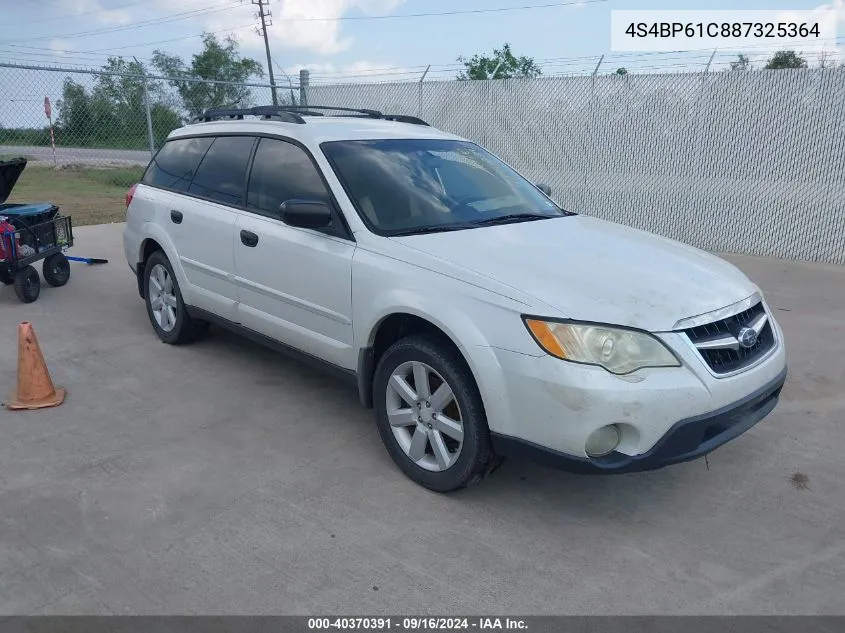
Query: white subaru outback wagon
478, 318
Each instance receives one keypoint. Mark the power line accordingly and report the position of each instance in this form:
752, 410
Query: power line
185, 15
173, 39
442, 13
65, 16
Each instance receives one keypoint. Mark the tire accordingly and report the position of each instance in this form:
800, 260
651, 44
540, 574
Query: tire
56, 270
174, 325
5, 277
472, 458
27, 284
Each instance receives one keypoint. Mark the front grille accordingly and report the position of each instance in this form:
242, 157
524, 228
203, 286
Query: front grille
718, 344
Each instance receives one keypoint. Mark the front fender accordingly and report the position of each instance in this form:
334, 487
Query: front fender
475, 319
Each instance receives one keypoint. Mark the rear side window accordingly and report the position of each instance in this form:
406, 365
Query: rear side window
282, 171
176, 162
222, 173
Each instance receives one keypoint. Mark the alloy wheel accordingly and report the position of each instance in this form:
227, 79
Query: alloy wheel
424, 416
162, 296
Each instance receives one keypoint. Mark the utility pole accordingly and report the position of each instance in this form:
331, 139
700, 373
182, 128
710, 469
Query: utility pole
266, 20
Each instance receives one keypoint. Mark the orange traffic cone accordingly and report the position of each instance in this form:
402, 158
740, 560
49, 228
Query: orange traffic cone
35, 387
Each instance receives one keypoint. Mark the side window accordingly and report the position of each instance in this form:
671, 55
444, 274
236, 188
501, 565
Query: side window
221, 174
282, 171
175, 163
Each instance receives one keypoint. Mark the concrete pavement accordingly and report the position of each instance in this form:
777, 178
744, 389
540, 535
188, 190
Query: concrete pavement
225, 478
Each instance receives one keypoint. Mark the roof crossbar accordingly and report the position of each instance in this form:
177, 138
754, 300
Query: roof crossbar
294, 113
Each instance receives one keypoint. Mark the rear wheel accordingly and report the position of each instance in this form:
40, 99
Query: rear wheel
165, 306
5, 277
56, 270
430, 415
27, 284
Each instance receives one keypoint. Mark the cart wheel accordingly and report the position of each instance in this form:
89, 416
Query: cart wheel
6, 277
56, 270
27, 284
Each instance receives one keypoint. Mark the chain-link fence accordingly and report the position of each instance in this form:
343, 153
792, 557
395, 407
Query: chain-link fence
744, 162
106, 119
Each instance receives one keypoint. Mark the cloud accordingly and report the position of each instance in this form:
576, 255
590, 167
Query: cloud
294, 25
104, 15
59, 47
361, 71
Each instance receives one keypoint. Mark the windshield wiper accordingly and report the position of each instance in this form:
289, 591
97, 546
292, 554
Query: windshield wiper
515, 217
504, 219
440, 228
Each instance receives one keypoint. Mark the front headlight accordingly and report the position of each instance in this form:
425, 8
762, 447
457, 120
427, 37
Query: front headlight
618, 350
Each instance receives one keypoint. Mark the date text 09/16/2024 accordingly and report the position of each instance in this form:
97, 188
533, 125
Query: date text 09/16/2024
416, 623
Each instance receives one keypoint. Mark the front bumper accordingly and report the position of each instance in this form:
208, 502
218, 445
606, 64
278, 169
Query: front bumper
686, 440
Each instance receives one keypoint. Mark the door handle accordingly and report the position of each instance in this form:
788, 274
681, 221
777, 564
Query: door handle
176, 216
248, 238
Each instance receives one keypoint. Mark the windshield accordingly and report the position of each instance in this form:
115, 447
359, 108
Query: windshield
403, 186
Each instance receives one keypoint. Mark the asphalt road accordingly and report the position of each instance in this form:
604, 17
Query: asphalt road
224, 478
78, 155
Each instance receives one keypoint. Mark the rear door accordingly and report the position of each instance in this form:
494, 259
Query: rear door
206, 178
294, 284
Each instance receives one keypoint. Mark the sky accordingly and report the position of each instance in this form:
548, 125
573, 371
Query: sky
359, 40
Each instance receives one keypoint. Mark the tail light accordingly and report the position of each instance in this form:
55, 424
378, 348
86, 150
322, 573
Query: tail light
129, 195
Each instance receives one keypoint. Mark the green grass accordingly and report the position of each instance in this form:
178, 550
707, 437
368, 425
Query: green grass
123, 177
107, 143
88, 195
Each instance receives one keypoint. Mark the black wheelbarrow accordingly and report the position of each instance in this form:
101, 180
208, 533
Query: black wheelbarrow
29, 233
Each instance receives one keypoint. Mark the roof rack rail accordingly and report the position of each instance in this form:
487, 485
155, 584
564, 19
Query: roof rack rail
238, 113
370, 113
294, 113
399, 118
404, 118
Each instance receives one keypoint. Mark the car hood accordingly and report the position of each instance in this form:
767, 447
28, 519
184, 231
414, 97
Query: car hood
593, 270
10, 171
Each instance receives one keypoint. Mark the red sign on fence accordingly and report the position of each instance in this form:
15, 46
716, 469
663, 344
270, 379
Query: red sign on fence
48, 111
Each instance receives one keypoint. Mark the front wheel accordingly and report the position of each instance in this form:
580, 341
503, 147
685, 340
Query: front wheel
6, 278
430, 415
165, 307
27, 284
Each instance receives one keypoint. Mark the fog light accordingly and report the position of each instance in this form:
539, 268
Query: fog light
602, 441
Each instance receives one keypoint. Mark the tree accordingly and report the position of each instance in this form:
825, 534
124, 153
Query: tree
786, 59
502, 65
113, 113
827, 59
621, 71
219, 61
742, 63
75, 116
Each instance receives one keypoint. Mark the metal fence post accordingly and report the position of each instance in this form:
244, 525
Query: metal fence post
420, 89
150, 137
304, 76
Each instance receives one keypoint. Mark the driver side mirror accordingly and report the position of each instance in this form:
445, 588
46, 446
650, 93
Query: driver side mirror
546, 189
306, 214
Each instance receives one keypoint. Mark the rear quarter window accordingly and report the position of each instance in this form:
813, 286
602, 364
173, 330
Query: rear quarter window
175, 164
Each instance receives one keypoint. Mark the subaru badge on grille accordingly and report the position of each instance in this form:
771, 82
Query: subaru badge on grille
747, 337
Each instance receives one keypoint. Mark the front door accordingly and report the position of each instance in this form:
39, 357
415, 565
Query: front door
294, 285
